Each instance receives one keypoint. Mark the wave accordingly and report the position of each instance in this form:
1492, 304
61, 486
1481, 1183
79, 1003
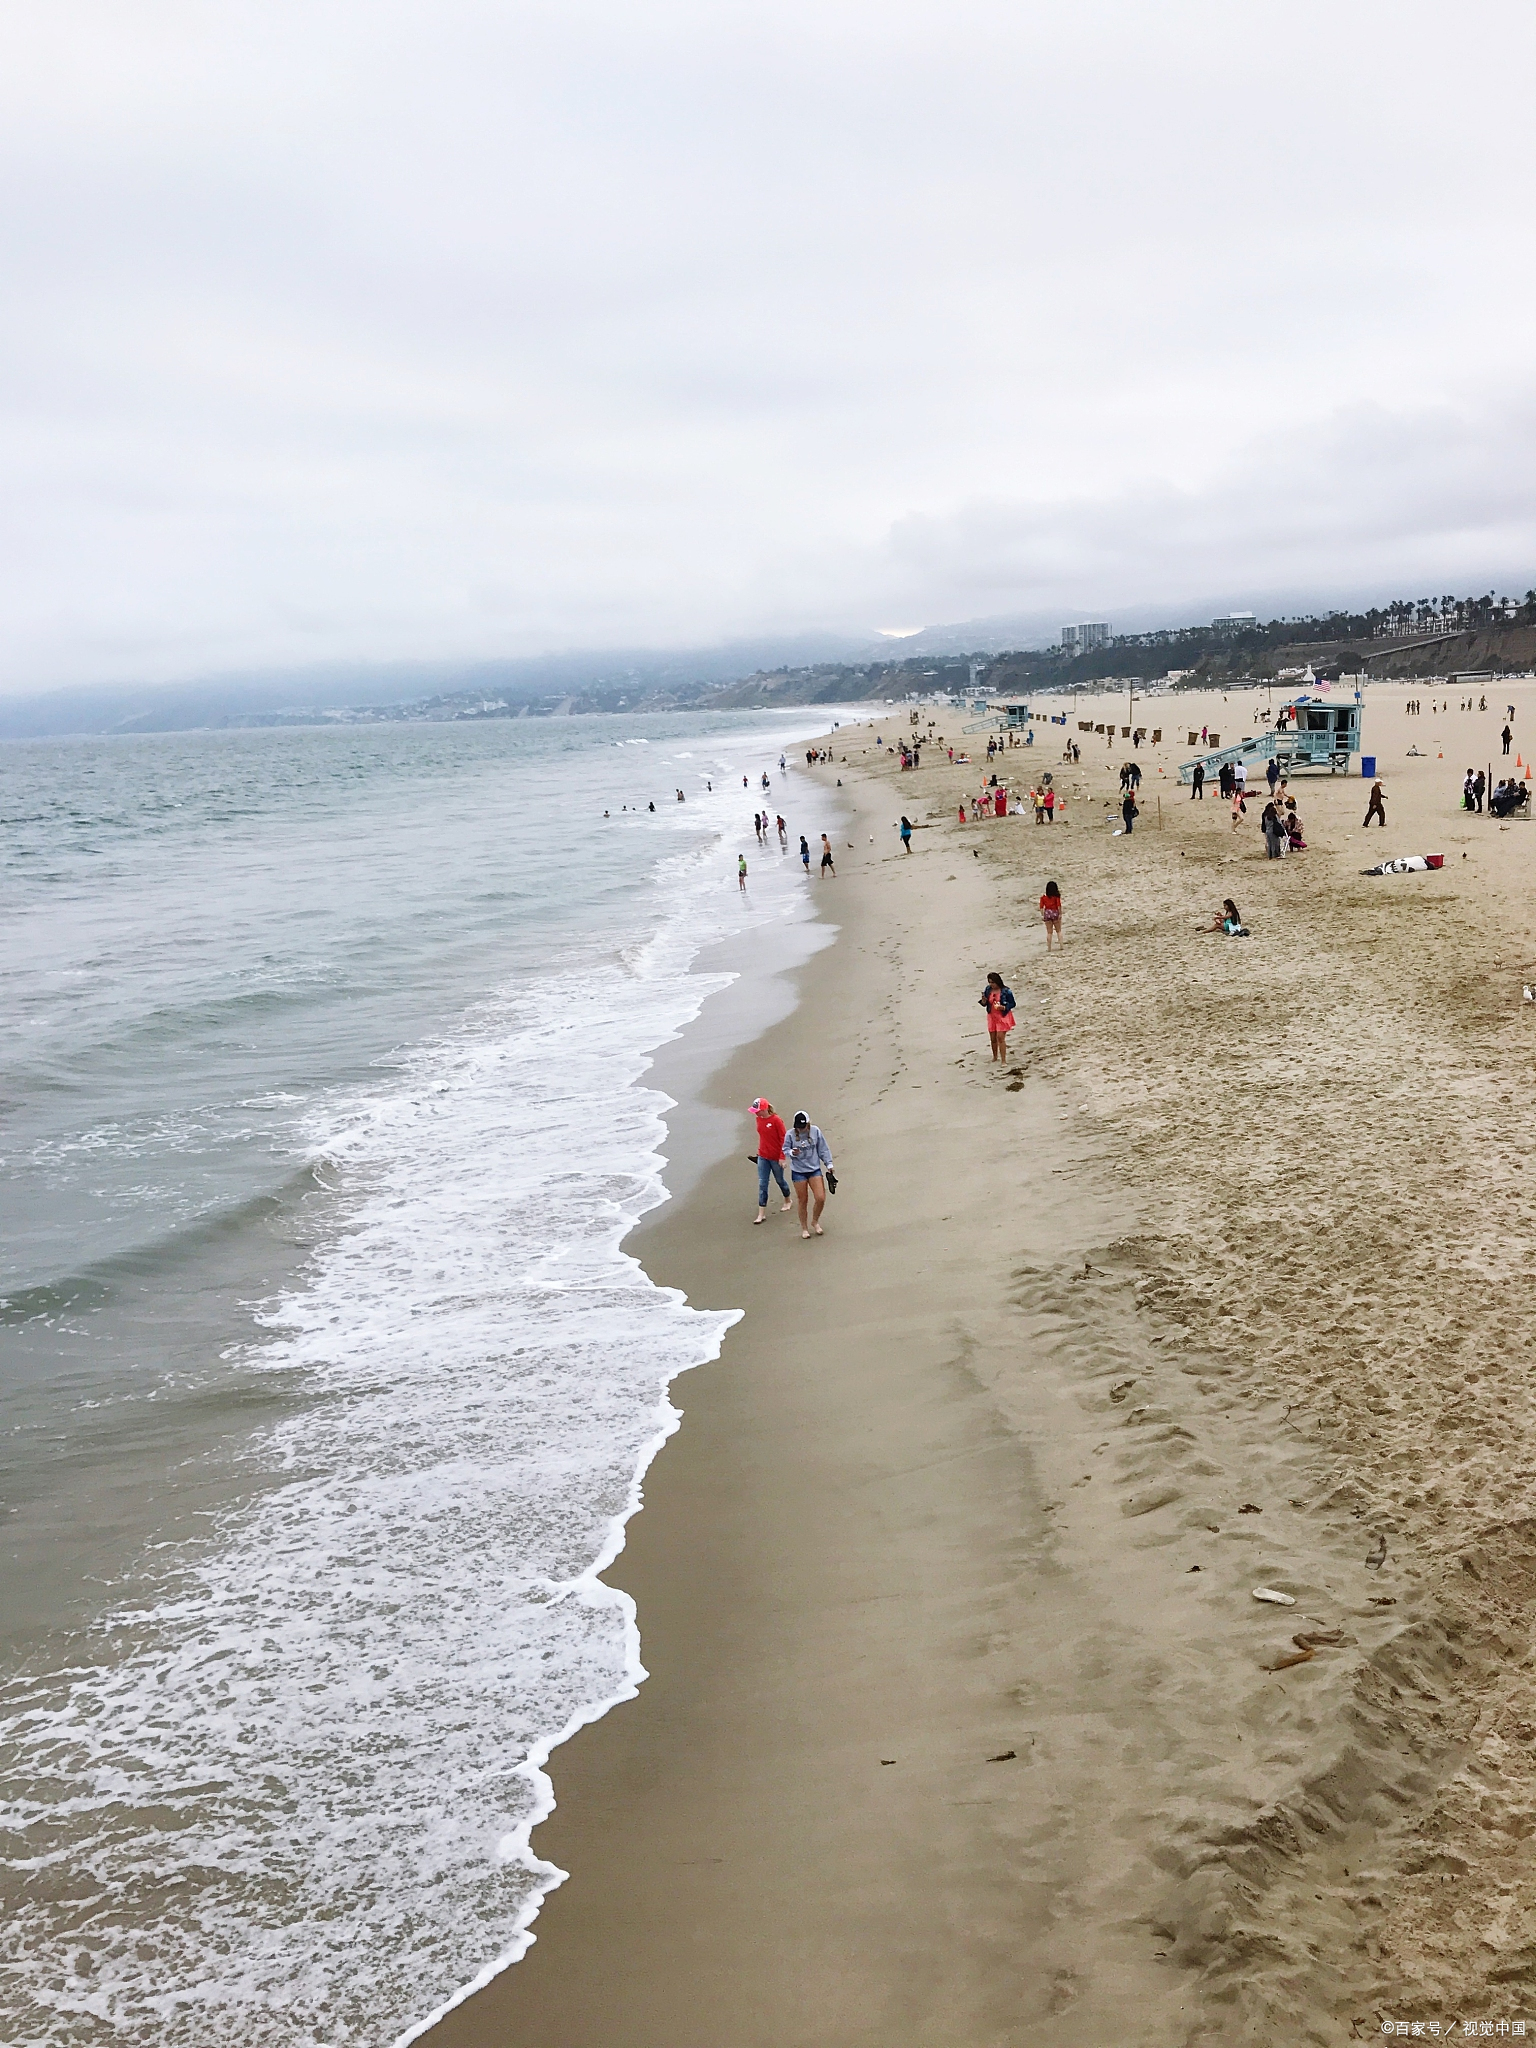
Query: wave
185, 1244
290, 1797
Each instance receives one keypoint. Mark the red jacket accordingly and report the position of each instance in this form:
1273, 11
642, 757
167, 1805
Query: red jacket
770, 1135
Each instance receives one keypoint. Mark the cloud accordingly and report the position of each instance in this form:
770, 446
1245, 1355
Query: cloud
1367, 503
391, 333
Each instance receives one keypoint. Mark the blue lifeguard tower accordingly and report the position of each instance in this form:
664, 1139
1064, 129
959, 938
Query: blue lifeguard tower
1001, 718
1310, 732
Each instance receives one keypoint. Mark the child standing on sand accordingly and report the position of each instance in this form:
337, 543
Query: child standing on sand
1050, 915
997, 1000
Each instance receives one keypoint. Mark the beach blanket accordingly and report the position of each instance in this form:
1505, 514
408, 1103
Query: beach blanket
1413, 864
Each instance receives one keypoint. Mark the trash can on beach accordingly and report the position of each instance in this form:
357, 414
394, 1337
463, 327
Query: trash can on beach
1368, 767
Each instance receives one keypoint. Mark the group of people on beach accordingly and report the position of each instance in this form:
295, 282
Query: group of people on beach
801, 1148
828, 867
1281, 827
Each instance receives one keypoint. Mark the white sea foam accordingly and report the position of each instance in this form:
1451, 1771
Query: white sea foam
291, 1800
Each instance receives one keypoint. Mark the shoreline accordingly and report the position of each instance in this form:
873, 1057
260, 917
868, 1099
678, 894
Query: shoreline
800, 1623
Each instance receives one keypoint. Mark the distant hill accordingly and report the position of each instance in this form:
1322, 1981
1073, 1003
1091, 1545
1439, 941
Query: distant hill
1426, 637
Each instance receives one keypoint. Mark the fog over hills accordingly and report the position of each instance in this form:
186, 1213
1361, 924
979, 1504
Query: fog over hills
791, 668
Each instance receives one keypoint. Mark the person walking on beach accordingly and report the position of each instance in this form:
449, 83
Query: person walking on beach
809, 1163
997, 1000
741, 872
1129, 812
1479, 789
1272, 774
1377, 806
770, 1156
906, 833
805, 855
1197, 784
826, 857
1050, 915
783, 835
1506, 736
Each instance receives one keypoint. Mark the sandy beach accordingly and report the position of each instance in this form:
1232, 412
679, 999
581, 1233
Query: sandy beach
962, 1723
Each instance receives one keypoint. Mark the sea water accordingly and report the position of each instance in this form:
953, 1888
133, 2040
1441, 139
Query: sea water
327, 1387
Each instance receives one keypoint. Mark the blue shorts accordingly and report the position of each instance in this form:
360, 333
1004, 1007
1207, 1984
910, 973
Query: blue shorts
798, 1177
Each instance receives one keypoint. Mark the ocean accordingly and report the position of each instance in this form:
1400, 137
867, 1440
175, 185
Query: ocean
326, 1388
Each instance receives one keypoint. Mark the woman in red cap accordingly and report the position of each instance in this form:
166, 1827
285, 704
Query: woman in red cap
770, 1156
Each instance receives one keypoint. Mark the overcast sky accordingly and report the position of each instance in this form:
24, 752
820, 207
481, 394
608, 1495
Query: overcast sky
398, 331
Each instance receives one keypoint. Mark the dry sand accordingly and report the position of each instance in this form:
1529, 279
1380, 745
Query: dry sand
1227, 1285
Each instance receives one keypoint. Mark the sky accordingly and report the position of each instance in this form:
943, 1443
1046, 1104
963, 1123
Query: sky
396, 332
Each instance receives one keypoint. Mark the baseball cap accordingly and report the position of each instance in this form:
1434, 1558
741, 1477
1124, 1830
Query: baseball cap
800, 1118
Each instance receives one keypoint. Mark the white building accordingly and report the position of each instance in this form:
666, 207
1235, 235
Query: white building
1079, 639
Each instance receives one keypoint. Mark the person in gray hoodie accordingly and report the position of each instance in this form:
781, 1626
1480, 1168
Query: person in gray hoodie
810, 1166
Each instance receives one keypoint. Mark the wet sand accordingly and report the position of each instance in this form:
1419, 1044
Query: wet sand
1224, 1289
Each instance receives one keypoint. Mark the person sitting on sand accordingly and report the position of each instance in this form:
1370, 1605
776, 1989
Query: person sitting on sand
809, 1161
997, 1000
1050, 915
1229, 920
1292, 824
1509, 796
